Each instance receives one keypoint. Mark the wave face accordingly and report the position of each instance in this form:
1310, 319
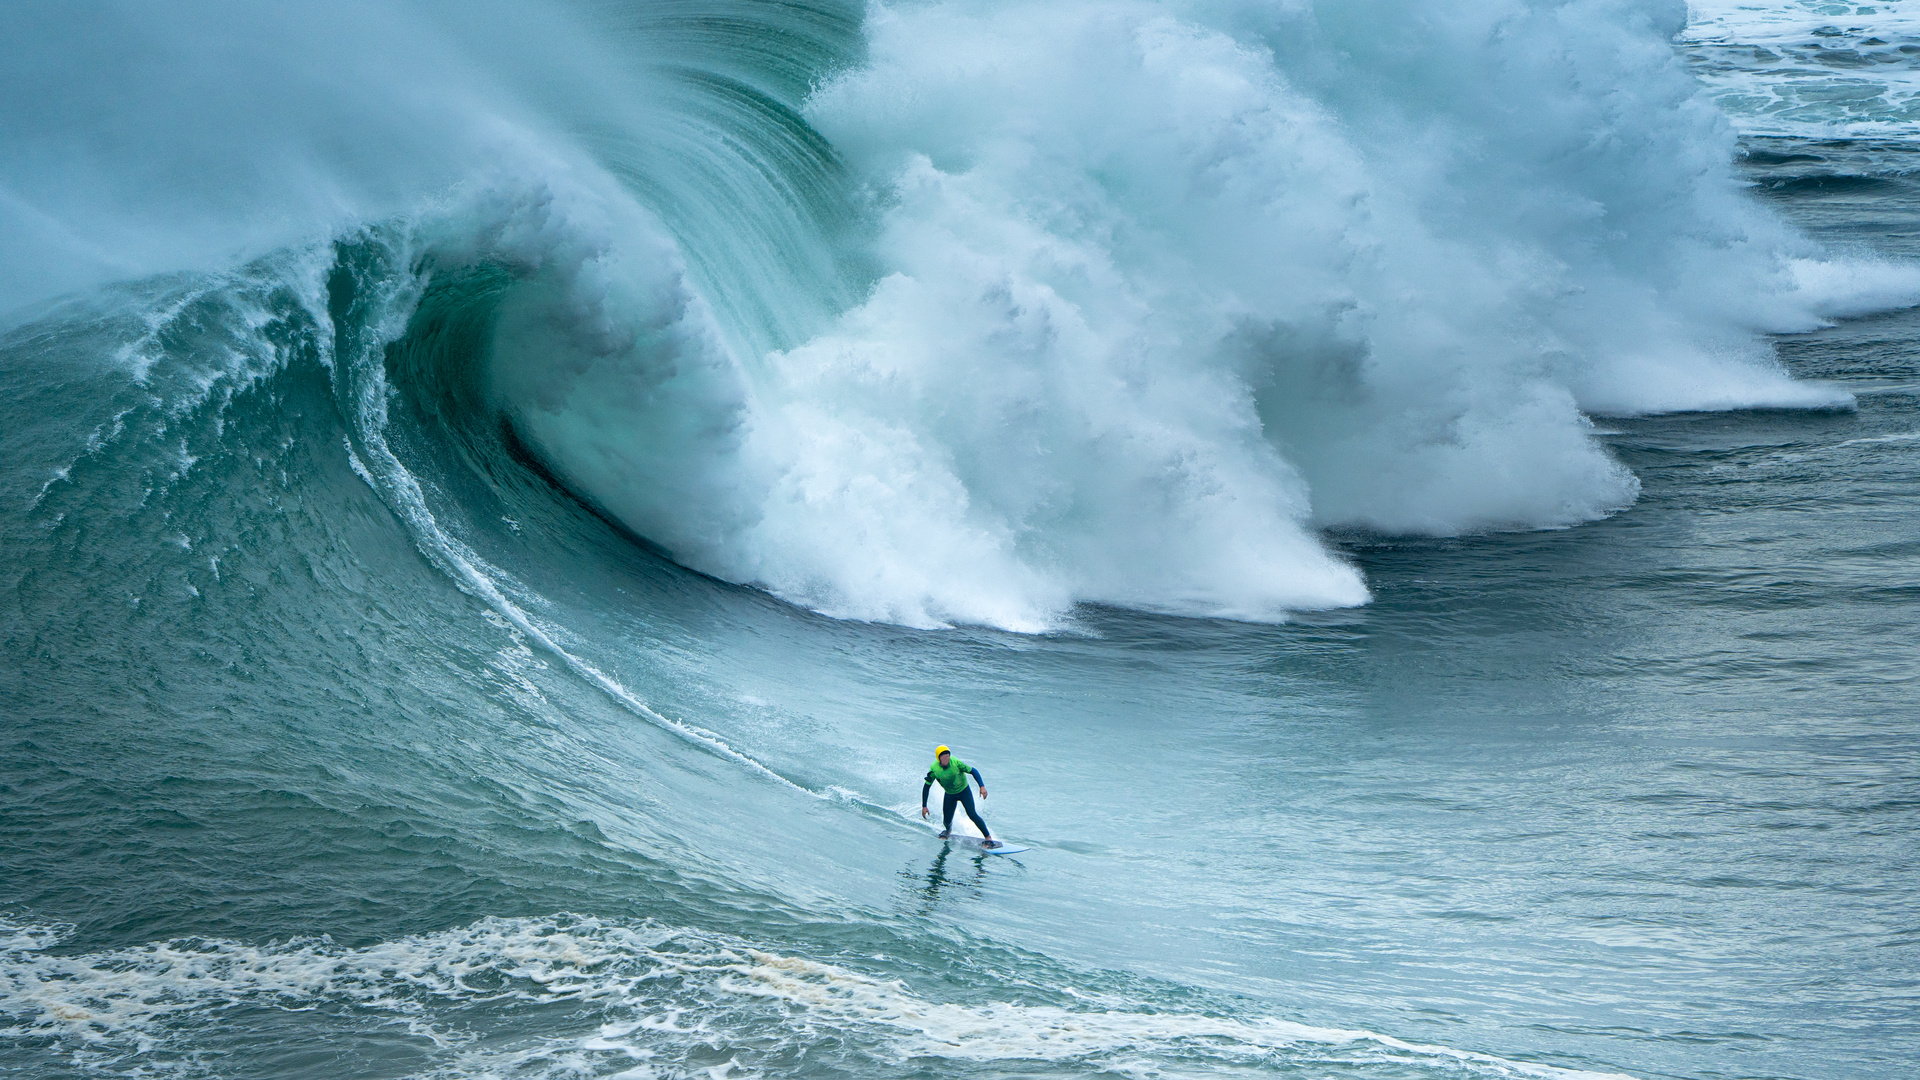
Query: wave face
955, 312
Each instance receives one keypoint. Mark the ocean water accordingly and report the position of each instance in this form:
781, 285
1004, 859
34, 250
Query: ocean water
1414, 510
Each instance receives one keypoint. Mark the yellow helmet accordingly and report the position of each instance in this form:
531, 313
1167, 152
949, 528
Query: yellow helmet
938, 750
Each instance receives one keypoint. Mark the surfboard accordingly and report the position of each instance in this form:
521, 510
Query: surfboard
976, 843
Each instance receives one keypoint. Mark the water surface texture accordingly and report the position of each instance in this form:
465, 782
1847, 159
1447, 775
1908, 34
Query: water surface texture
1414, 509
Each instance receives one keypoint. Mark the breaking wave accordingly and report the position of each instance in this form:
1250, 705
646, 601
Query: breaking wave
959, 312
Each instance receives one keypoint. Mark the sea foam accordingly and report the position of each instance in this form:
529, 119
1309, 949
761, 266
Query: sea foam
654, 999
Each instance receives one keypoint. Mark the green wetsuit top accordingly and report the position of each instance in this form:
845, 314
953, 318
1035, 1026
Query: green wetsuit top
952, 777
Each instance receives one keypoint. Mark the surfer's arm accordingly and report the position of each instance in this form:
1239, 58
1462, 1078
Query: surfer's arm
925, 787
978, 780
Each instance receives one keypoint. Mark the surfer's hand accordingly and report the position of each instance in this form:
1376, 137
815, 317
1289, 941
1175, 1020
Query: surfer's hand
983, 793
923, 811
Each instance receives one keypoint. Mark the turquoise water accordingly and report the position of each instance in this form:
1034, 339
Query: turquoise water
359, 722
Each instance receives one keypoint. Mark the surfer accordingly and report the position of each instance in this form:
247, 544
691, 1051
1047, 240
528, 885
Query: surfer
952, 774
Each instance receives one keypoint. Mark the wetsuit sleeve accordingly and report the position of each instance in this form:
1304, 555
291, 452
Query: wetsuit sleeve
925, 787
977, 779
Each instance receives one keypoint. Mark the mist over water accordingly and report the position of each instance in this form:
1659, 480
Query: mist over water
1412, 507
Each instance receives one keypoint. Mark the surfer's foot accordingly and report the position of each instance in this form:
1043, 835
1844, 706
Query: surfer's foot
989, 843
944, 834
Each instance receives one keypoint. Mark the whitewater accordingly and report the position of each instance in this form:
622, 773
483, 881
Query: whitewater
1415, 507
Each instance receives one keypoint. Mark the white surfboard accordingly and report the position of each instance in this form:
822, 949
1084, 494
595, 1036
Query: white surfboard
1000, 848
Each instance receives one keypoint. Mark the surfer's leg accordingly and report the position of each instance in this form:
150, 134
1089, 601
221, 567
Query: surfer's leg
966, 800
952, 801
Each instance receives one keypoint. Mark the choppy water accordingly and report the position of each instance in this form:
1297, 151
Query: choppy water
363, 716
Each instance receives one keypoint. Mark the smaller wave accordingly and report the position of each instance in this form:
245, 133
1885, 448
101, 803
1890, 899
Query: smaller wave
17, 936
1876, 440
664, 1000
